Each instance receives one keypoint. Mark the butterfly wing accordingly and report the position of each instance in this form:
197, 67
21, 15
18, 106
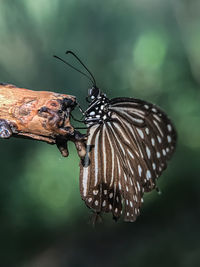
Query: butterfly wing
153, 133
125, 155
99, 173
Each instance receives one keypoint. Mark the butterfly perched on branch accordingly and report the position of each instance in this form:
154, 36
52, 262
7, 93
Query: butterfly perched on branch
129, 143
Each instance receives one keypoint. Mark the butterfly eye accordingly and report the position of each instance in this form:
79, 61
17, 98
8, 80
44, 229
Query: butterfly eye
93, 92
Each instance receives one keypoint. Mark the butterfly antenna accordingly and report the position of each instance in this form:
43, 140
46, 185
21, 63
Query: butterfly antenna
72, 53
92, 80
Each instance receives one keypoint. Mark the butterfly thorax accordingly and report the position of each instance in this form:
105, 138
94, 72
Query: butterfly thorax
97, 111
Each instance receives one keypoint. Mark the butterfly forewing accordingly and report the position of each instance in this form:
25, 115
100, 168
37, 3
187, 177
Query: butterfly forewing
126, 152
98, 180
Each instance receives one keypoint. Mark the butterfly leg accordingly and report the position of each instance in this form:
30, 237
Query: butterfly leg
77, 138
76, 119
62, 146
80, 144
80, 108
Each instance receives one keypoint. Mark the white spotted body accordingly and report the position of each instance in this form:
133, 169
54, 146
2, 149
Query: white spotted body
97, 111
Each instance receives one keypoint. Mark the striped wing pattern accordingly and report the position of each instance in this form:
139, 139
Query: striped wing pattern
125, 155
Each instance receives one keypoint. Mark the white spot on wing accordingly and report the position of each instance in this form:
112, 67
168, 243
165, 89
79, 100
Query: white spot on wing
140, 133
147, 130
159, 139
148, 152
164, 152
148, 174
158, 154
139, 170
169, 127
137, 120
138, 185
125, 177
135, 211
169, 139
120, 187
153, 141
110, 195
154, 166
95, 192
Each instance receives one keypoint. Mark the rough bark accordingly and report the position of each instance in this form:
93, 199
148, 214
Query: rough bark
39, 115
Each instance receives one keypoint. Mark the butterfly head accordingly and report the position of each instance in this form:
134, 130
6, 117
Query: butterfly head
93, 92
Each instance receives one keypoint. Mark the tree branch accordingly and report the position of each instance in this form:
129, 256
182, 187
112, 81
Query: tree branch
38, 115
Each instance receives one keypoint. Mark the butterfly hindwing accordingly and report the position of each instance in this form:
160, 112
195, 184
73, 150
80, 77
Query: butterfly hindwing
151, 131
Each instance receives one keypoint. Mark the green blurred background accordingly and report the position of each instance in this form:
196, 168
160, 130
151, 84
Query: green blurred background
148, 49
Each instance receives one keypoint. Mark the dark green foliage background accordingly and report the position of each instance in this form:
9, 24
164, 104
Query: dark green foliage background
149, 49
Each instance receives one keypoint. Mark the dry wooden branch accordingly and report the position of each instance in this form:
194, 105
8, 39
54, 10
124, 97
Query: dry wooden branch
39, 115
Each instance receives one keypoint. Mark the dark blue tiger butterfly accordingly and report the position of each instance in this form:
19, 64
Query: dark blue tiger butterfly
129, 143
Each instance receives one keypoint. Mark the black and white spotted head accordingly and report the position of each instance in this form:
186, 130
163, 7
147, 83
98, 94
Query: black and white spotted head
93, 92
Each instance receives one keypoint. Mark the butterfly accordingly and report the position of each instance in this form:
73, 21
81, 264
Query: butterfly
128, 145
